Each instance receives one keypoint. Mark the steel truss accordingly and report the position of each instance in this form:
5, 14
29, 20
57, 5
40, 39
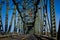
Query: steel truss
40, 23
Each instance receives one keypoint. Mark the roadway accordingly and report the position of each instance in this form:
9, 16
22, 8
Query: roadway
24, 37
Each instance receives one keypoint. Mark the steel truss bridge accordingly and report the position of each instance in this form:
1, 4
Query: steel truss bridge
32, 18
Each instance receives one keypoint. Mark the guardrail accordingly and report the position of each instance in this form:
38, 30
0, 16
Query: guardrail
43, 37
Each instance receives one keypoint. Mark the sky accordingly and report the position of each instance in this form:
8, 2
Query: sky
57, 11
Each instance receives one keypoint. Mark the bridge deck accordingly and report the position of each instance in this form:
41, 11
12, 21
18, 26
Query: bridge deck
24, 37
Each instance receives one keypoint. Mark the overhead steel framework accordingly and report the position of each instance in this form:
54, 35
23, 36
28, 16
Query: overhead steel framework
32, 17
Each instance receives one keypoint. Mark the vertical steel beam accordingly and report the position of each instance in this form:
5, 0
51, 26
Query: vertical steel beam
19, 24
46, 21
52, 18
39, 20
41, 16
58, 34
44, 15
6, 20
14, 16
1, 25
10, 24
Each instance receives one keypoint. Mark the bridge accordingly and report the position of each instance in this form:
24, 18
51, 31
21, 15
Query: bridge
31, 20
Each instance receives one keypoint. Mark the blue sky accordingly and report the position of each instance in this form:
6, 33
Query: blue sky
57, 10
